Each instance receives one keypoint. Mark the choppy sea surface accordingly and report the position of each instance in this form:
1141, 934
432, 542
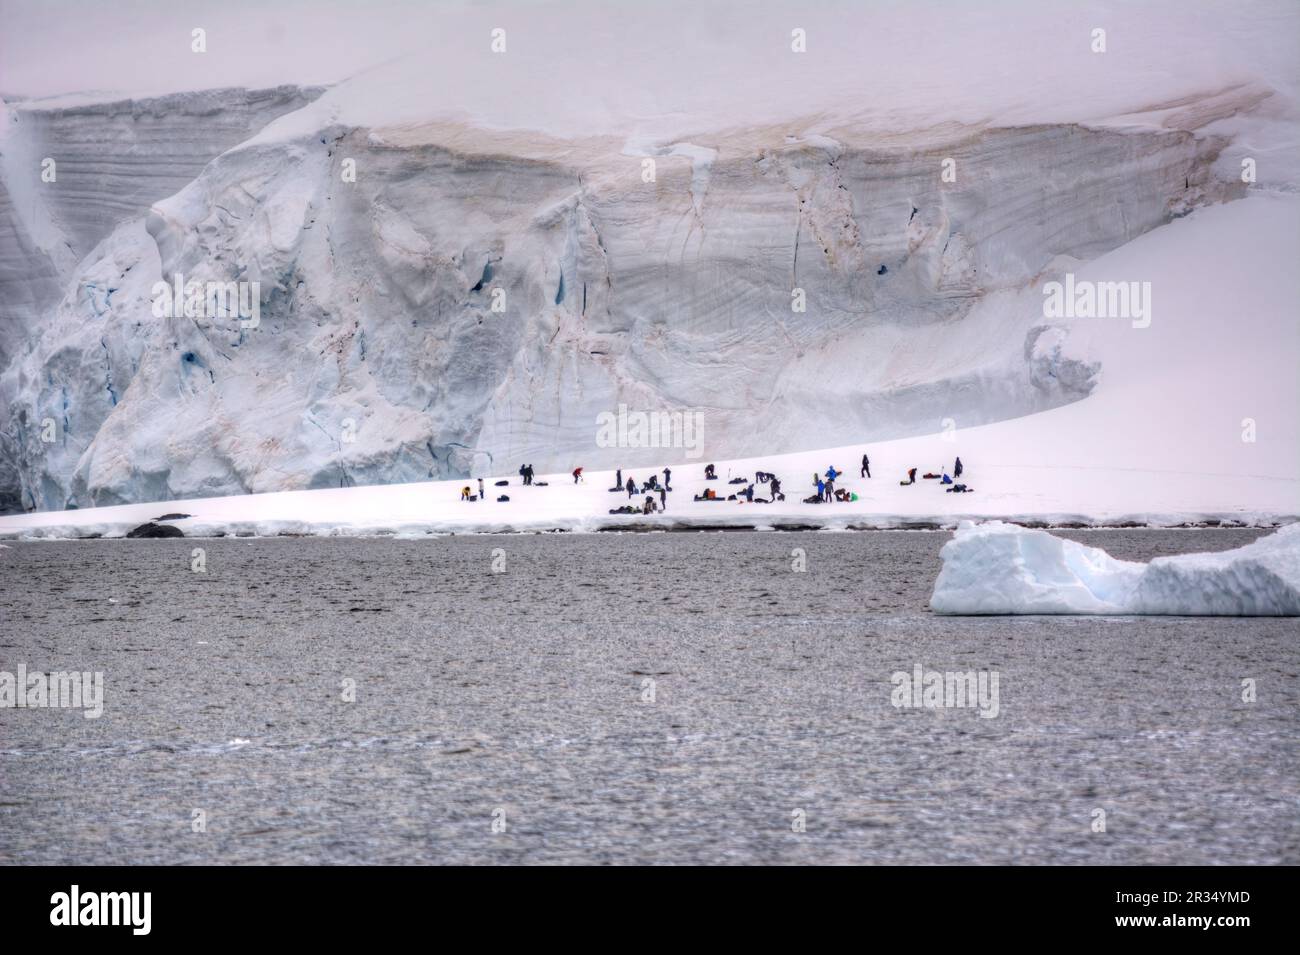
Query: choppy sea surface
625, 698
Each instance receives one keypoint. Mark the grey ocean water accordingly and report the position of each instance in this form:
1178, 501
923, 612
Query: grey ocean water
522, 696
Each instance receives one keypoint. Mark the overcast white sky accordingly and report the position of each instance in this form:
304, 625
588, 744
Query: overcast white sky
59, 46
636, 65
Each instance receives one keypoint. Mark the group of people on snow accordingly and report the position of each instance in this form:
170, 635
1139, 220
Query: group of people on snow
825, 485
746, 494
827, 492
951, 484
649, 488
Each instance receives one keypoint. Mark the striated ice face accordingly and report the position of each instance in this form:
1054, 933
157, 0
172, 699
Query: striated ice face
437, 301
69, 176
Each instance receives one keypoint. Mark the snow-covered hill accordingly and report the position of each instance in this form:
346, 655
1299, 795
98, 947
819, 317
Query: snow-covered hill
1166, 437
905, 180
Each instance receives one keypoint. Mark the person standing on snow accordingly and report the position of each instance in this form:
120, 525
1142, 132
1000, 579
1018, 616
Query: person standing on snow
663, 498
668, 478
866, 466
956, 468
631, 487
480, 489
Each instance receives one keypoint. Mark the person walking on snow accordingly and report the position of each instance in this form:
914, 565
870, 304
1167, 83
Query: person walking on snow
631, 487
577, 475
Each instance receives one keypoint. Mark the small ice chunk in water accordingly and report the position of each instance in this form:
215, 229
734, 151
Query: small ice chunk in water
999, 568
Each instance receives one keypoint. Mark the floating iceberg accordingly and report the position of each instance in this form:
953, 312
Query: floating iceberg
999, 568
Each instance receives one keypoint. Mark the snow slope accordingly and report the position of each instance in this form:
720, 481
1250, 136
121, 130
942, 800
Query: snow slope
998, 568
1159, 441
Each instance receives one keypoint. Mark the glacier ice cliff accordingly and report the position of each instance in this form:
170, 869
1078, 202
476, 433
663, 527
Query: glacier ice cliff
380, 357
112, 161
